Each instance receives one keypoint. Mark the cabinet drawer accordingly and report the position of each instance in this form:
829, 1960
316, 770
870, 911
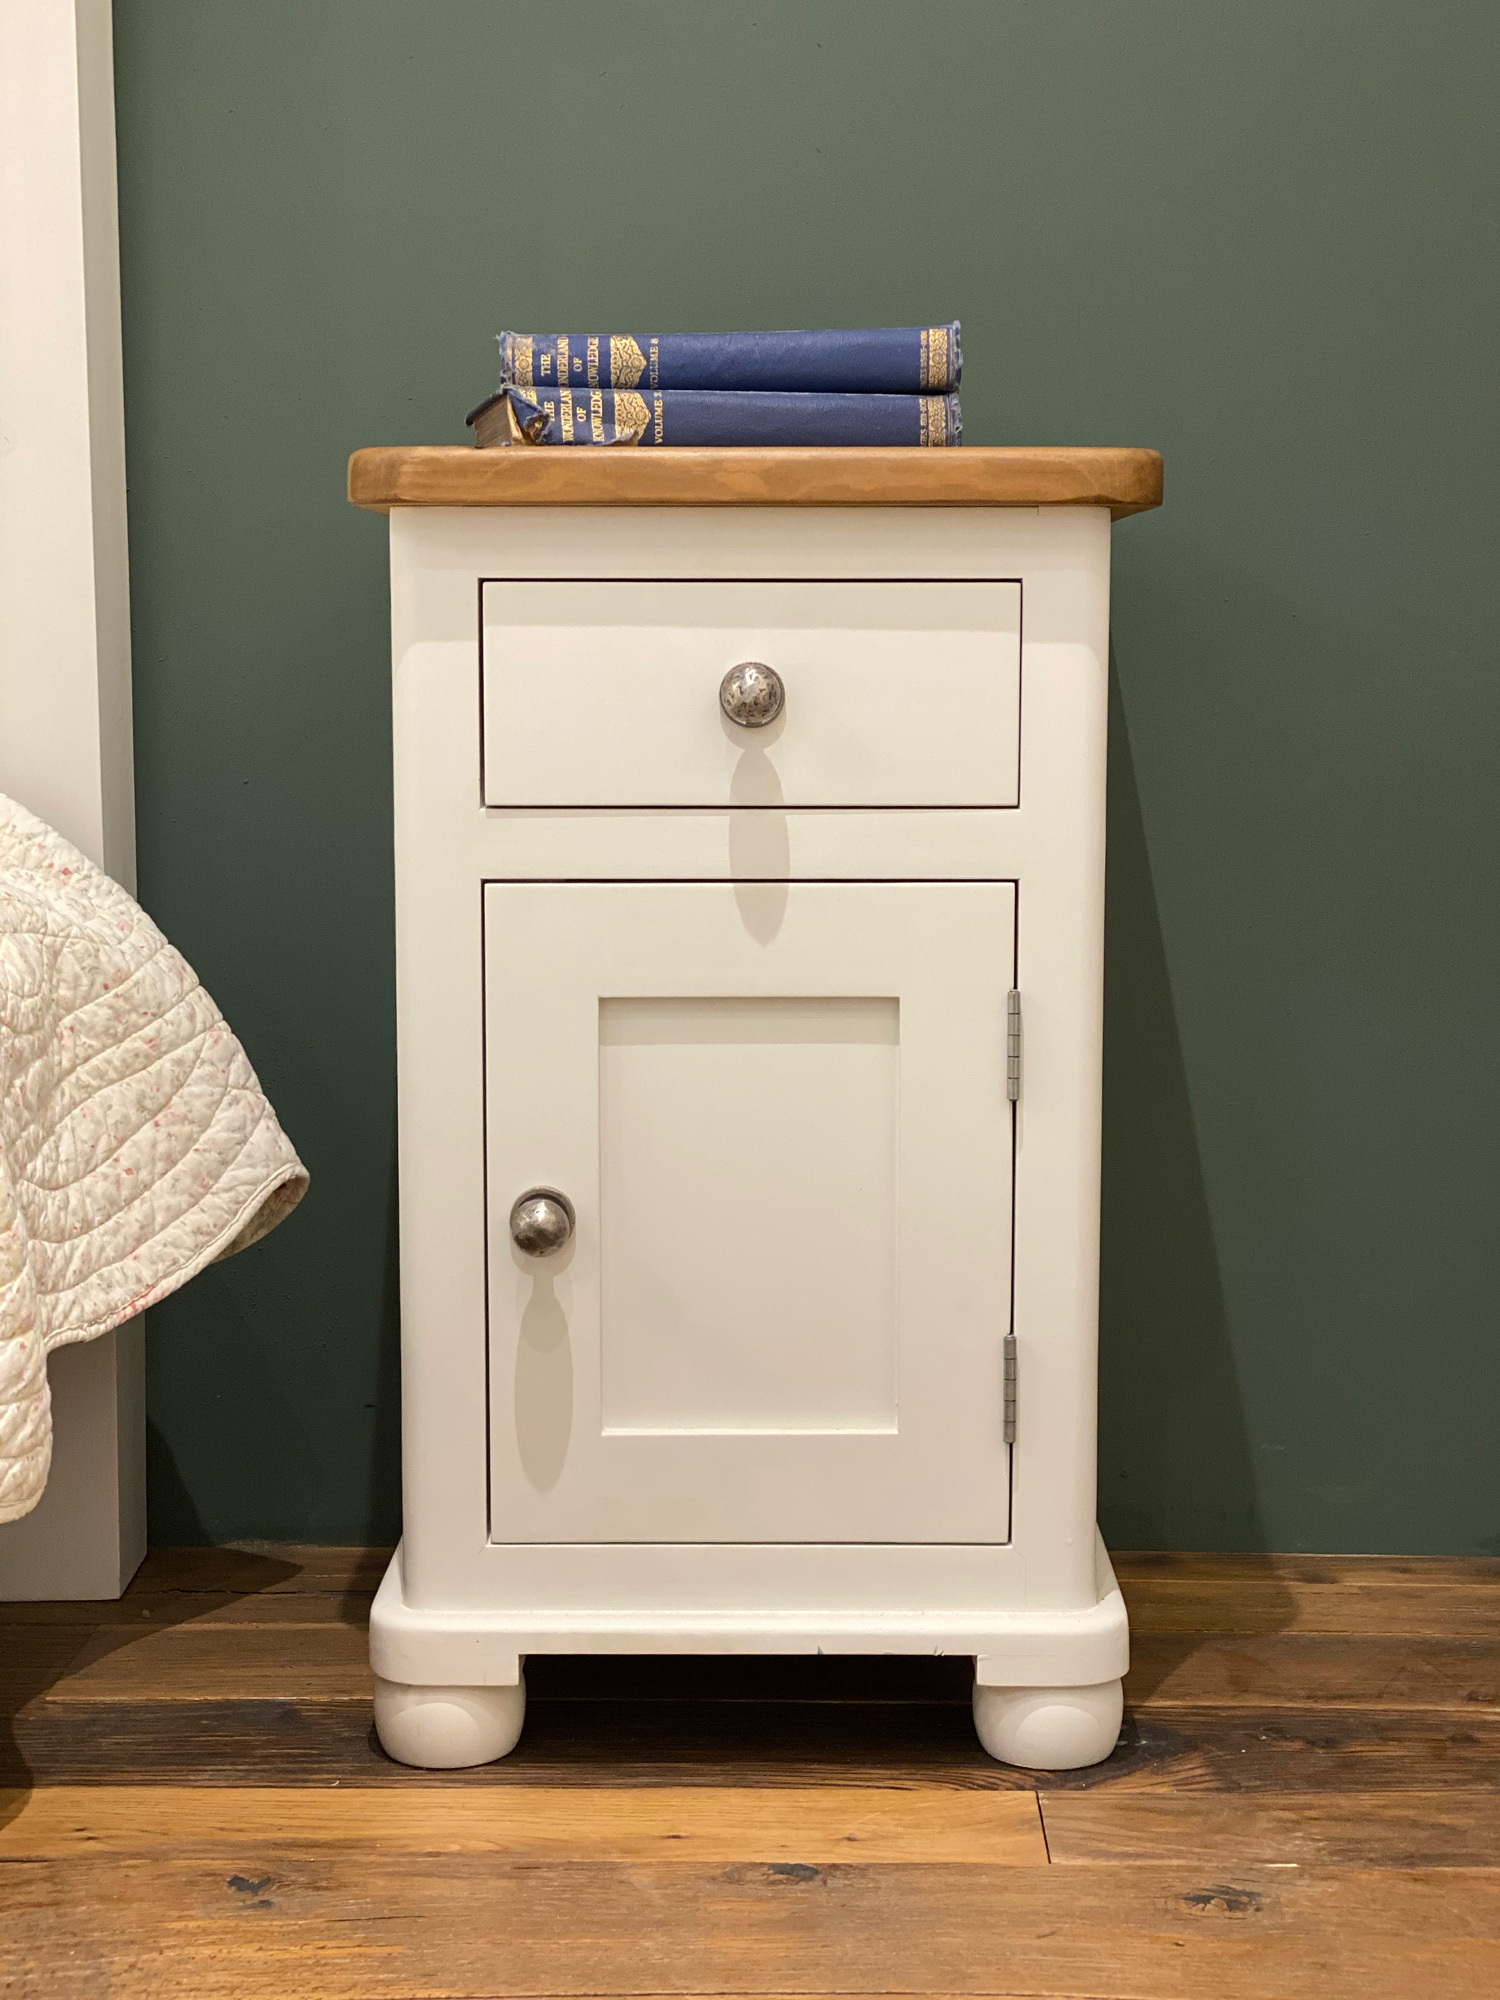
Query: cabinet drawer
606, 693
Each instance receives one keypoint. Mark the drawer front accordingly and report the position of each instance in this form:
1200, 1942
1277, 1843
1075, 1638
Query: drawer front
606, 693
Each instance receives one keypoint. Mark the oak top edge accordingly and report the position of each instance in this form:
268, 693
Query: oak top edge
1125, 479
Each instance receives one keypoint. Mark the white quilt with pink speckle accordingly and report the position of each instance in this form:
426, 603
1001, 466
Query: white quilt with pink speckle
135, 1144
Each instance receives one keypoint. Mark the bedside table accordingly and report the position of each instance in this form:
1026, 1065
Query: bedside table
749, 881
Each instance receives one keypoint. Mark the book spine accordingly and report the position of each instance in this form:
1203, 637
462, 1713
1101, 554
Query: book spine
712, 417
889, 360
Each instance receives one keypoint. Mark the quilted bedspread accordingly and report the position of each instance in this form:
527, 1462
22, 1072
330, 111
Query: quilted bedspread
135, 1144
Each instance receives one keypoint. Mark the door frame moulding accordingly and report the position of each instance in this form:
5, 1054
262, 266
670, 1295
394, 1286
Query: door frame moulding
65, 709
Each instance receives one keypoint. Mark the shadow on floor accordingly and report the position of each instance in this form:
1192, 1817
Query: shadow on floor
42, 1643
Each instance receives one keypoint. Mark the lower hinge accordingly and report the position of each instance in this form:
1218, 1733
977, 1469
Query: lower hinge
1008, 1352
1013, 1046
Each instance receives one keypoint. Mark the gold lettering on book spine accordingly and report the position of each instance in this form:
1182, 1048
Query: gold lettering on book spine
536, 428
632, 417
934, 419
565, 398
655, 370
934, 371
627, 364
520, 360
593, 360
596, 413
657, 400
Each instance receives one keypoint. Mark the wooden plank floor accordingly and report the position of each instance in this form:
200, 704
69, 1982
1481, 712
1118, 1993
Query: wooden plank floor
1305, 1801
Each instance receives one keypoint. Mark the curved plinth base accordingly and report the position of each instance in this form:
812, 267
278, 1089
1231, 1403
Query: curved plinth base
1049, 1729
445, 1728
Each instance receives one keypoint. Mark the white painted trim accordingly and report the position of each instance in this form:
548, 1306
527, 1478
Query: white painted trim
65, 718
784, 1598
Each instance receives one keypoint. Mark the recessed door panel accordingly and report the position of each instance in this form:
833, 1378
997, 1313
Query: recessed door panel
730, 1128
779, 1113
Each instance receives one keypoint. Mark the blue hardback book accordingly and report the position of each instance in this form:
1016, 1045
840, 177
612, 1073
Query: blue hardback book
881, 360
713, 417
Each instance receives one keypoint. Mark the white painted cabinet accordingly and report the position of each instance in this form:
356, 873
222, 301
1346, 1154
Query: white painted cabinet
749, 1091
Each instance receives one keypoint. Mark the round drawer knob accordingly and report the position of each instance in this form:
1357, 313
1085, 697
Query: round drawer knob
541, 1221
752, 694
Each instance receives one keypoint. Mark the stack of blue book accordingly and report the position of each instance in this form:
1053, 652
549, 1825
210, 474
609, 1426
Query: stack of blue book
875, 386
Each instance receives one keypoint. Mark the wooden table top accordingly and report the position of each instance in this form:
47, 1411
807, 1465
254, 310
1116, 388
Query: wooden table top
1124, 479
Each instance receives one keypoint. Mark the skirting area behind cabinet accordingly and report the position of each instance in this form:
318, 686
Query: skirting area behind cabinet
1305, 1800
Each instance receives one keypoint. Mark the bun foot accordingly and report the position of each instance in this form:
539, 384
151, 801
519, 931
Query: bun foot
1049, 1729
445, 1728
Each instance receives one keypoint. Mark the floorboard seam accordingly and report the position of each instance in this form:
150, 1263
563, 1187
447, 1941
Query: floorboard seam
1042, 1822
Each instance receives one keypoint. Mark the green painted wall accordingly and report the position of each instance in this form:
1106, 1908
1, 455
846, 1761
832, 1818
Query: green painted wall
1261, 238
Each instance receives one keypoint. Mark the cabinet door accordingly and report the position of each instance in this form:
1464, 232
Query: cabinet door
779, 1111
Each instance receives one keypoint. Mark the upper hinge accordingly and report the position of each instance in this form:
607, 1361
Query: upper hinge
1013, 1046
1008, 1366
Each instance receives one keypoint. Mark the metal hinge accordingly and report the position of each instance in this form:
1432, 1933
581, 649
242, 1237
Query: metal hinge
1008, 1364
1013, 1046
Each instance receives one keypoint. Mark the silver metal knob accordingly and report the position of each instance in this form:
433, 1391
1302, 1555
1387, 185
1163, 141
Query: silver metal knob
752, 694
541, 1221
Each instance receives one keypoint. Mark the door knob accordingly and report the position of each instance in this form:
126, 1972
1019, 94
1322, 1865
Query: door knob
752, 694
541, 1221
